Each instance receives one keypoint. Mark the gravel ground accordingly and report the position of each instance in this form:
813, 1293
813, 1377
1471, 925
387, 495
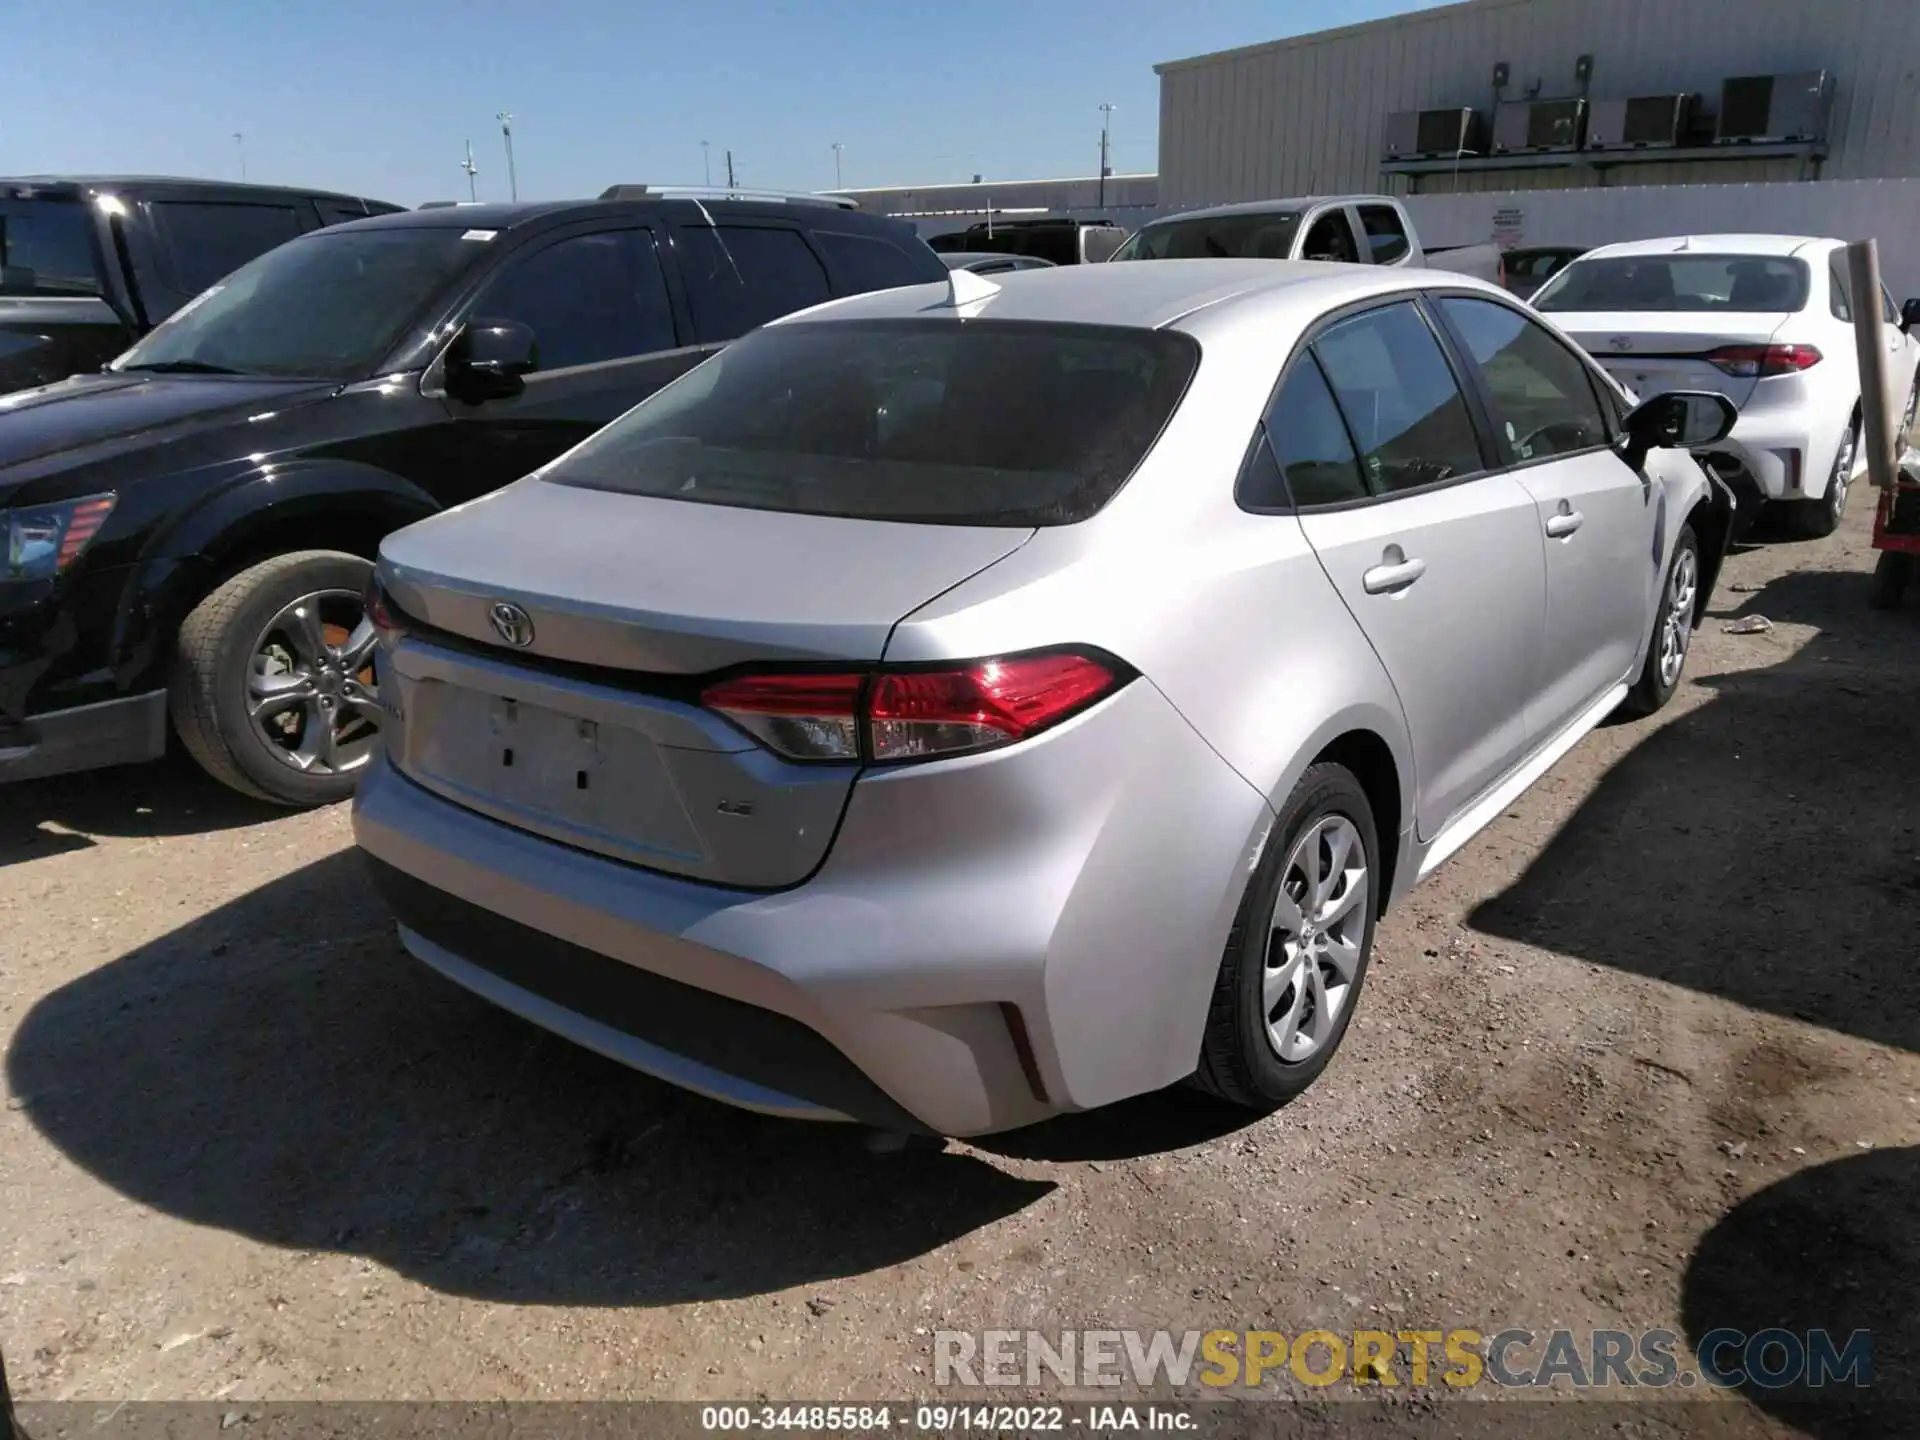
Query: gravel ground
1645, 1054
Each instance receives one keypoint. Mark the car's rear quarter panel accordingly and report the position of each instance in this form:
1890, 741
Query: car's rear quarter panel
1229, 617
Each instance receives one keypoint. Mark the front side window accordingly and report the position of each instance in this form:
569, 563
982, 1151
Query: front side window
587, 298
1310, 442
330, 306
1400, 400
939, 422
739, 277
1331, 238
1745, 284
204, 241
1543, 399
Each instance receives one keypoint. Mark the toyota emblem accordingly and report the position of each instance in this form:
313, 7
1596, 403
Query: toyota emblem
1620, 342
511, 623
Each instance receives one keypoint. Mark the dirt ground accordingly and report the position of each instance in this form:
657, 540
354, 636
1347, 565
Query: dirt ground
1645, 1054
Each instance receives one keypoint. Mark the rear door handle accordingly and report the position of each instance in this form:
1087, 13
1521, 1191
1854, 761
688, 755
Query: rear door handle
1394, 576
1565, 523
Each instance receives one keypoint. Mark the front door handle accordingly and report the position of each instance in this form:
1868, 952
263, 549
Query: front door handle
1565, 523
1393, 574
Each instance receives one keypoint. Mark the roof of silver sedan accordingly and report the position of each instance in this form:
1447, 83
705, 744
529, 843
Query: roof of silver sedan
1147, 294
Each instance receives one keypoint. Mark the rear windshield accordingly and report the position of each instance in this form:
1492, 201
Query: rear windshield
947, 422
46, 248
327, 306
1217, 237
1751, 284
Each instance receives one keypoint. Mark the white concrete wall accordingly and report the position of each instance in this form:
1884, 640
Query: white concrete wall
1884, 210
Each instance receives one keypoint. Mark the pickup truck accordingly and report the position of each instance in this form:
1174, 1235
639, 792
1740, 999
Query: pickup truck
89, 264
1354, 229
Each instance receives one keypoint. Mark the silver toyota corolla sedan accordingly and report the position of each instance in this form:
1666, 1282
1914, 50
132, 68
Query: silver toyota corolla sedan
960, 704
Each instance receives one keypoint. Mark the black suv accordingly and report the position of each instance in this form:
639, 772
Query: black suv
185, 537
90, 264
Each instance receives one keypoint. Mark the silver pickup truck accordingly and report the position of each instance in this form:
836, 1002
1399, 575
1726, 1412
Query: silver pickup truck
1355, 229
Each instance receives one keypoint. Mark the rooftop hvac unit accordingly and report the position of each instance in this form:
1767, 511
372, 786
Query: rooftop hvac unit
1647, 122
1540, 125
1432, 134
1774, 109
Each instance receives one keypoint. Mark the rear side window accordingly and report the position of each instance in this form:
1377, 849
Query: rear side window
982, 423
739, 277
1543, 400
46, 248
586, 299
1398, 395
1311, 443
1839, 294
202, 242
1386, 236
866, 262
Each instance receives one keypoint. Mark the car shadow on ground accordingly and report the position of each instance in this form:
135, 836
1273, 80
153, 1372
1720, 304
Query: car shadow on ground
1172, 1119
281, 1069
1763, 847
172, 796
1834, 1247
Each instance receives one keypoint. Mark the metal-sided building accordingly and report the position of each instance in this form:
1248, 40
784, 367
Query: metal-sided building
935, 209
1311, 114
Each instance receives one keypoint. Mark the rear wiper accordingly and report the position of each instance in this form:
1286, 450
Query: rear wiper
182, 367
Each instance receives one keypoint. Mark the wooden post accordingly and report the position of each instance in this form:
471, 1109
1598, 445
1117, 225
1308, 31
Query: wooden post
1870, 345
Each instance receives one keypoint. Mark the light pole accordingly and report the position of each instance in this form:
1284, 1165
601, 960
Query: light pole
472, 170
240, 144
505, 117
1106, 125
837, 148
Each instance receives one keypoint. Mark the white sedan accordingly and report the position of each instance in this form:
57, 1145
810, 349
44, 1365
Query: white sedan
1767, 321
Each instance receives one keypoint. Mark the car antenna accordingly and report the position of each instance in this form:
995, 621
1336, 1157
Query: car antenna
964, 288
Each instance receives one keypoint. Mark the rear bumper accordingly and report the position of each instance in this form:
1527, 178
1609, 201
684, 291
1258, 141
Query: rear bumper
87, 737
990, 941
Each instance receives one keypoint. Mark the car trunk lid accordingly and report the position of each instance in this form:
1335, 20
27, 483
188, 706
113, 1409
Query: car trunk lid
564, 635
1654, 352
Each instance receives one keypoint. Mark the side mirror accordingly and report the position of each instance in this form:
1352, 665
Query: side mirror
488, 359
1678, 420
1910, 315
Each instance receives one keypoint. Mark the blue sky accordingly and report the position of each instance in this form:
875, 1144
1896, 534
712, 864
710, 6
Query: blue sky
378, 98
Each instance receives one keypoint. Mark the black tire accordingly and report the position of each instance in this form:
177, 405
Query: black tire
1817, 519
207, 692
1892, 574
1652, 691
1238, 1062
9, 1426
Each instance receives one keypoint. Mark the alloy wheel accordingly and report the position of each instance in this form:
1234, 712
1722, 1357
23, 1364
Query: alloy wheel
1313, 949
1676, 630
310, 687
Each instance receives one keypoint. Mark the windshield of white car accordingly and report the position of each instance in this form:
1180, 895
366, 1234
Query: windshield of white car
329, 306
1745, 284
945, 422
1266, 236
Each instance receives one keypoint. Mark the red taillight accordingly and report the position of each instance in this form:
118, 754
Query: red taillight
896, 715
799, 715
382, 613
1759, 361
83, 524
